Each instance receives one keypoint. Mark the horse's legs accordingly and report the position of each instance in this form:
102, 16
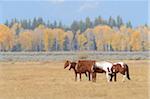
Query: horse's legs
85, 74
115, 77
75, 76
89, 76
111, 77
94, 76
80, 76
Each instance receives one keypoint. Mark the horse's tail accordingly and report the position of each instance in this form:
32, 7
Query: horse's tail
127, 72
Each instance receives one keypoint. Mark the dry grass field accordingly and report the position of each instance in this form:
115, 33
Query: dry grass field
48, 80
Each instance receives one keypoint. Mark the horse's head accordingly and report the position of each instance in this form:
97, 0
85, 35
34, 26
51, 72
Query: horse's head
67, 63
116, 68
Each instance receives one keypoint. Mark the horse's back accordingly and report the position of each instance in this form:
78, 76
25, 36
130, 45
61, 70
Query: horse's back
85, 65
86, 62
121, 63
103, 64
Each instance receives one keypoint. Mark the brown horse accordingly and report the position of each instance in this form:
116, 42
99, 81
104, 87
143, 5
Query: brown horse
73, 65
85, 66
122, 68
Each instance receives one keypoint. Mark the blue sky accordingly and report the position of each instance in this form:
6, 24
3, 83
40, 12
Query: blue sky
66, 11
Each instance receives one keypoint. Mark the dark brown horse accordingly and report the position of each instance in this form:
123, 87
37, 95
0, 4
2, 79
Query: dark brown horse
73, 65
120, 67
82, 66
86, 66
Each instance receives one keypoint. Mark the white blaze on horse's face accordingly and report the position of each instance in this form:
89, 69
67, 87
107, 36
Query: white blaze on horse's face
69, 66
114, 70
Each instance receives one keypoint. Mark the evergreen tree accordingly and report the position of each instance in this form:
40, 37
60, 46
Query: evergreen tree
25, 24
88, 22
100, 20
60, 24
119, 21
82, 26
7, 23
29, 24
34, 23
129, 25
111, 22
74, 27
48, 24
96, 22
55, 24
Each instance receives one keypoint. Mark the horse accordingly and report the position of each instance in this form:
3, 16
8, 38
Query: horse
73, 65
103, 67
86, 66
120, 67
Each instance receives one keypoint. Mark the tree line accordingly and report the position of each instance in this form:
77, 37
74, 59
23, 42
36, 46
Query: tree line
81, 25
98, 35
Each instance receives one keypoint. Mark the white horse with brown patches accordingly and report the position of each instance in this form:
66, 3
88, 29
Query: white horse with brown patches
121, 67
106, 66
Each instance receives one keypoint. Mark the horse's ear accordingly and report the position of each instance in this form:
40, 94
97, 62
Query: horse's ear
67, 60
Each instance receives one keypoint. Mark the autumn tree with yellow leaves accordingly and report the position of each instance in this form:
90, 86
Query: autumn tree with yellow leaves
48, 39
98, 38
26, 40
103, 37
6, 38
135, 41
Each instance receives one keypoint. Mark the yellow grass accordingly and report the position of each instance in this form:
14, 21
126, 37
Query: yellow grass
48, 80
